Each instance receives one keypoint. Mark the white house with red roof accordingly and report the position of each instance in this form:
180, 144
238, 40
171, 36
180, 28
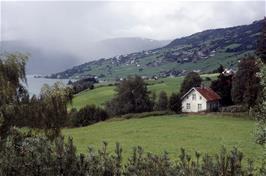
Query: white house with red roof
200, 99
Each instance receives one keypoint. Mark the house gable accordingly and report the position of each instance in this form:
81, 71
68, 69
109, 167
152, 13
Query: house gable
193, 101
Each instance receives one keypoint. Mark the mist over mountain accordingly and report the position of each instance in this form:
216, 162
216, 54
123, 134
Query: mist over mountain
46, 60
200, 52
117, 46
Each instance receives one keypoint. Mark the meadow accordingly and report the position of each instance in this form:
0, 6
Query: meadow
104, 92
203, 133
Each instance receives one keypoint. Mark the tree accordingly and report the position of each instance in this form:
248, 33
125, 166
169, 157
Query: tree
192, 79
12, 92
132, 97
246, 83
175, 103
162, 104
261, 110
223, 86
53, 108
261, 46
220, 69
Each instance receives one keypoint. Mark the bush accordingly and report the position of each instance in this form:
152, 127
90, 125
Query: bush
87, 115
146, 114
31, 155
234, 108
175, 103
162, 103
83, 84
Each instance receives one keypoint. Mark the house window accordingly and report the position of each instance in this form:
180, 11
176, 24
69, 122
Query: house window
187, 97
193, 96
199, 107
200, 97
188, 105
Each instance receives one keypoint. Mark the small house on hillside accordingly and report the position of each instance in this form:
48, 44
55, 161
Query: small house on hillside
199, 99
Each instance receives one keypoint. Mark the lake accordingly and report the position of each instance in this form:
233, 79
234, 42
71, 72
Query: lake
35, 84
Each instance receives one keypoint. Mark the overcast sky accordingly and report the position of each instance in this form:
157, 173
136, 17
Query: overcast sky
71, 25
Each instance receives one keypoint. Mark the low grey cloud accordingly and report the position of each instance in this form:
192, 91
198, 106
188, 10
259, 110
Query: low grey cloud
74, 26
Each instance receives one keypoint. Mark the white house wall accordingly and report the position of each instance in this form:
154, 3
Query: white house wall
194, 103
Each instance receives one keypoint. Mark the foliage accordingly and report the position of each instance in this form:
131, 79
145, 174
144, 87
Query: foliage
132, 97
223, 86
146, 114
175, 103
87, 115
192, 79
83, 84
48, 111
162, 103
220, 69
12, 92
261, 110
246, 83
52, 108
261, 46
31, 155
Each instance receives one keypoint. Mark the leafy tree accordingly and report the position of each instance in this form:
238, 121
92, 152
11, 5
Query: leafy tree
162, 104
246, 83
261, 110
223, 86
53, 108
192, 79
175, 103
12, 92
132, 97
153, 100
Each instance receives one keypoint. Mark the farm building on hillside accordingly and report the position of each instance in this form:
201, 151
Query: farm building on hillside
199, 99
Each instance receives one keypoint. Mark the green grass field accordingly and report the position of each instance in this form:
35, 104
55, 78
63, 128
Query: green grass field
100, 95
204, 133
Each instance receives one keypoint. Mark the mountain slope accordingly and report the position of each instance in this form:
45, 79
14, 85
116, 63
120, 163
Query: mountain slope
201, 52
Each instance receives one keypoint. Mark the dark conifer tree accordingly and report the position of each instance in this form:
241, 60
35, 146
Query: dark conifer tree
192, 79
246, 83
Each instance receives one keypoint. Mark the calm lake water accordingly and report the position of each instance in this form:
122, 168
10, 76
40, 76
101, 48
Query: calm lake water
35, 84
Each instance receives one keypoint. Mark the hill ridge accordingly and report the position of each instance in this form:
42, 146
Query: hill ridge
201, 52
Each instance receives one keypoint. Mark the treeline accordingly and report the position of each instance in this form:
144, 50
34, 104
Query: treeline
30, 155
82, 84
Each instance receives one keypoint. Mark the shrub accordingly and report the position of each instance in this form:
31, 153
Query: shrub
234, 108
146, 114
87, 115
175, 103
162, 103
30, 155
83, 84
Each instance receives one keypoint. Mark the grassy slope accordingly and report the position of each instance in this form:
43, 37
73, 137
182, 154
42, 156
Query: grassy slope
100, 95
204, 133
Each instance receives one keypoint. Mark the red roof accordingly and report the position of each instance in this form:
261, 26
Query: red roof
208, 93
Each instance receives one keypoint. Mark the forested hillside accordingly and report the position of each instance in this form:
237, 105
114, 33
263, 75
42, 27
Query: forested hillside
201, 52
